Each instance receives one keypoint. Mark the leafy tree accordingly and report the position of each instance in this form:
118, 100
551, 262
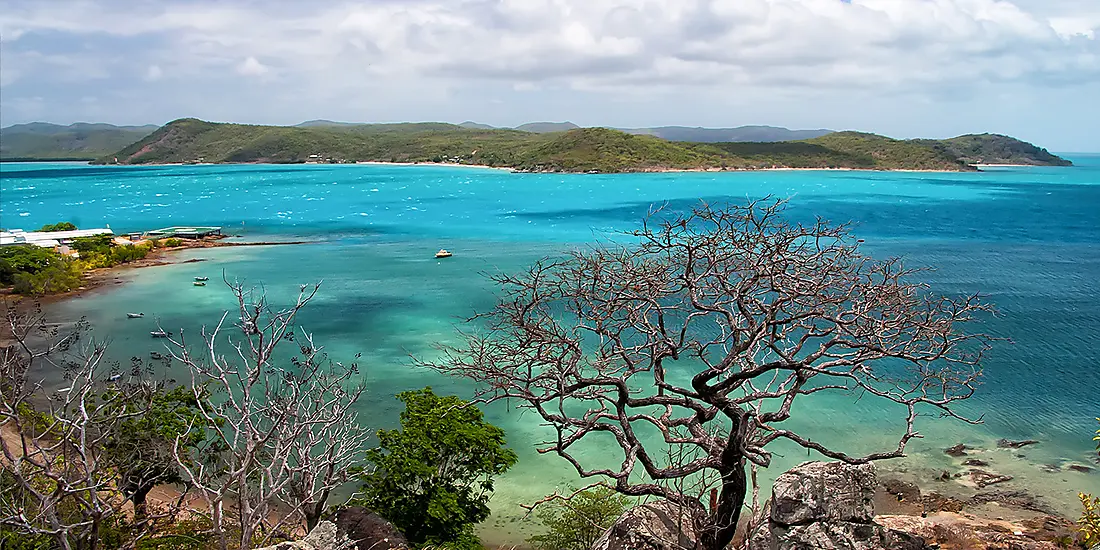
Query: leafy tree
60, 276
24, 258
98, 244
142, 449
576, 523
433, 477
60, 226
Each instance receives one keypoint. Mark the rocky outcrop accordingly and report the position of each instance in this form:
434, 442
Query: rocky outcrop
661, 525
951, 531
827, 506
322, 537
369, 531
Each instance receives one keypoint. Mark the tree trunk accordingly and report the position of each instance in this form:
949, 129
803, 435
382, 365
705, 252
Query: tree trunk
313, 512
141, 508
724, 517
730, 501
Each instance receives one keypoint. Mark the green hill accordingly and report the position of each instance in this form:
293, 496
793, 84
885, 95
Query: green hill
996, 149
577, 150
43, 141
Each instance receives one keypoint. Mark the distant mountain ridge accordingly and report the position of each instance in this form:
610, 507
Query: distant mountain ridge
82, 140
721, 135
696, 134
574, 150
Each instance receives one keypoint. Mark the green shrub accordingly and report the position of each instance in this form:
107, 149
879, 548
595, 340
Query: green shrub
172, 243
434, 476
61, 276
24, 258
577, 523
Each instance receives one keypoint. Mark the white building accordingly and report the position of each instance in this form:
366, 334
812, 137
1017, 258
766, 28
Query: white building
48, 239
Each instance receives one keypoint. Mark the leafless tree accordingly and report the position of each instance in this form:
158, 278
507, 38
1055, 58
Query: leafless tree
705, 329
58, 481
283, 428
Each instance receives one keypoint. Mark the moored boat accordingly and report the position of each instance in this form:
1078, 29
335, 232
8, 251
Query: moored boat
135, 315
160, 334
443, 253
155, 355
199, 283
202, 278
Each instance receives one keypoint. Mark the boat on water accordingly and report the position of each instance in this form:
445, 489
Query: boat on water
199, 283
160, 333
155, 355
135, 315
443, 253
202, 279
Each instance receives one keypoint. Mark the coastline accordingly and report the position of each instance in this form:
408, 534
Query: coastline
98, 279
516, 170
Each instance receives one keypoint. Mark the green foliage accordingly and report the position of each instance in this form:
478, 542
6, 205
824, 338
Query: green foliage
433, 477
99, 244
1089, 524
172, 243
60, 226
101, 251
141, 450
62, 275
25, 258
14, 540
577, 523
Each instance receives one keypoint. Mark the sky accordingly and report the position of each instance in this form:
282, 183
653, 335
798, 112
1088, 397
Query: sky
905, 68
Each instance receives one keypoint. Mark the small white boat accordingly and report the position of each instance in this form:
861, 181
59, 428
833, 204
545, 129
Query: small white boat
443, 253
160, 334
202, 278
199, 283
135, 315
114, 378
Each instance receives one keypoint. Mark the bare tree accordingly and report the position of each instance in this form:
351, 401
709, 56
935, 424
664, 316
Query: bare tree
58, 481
283, 432
706, 330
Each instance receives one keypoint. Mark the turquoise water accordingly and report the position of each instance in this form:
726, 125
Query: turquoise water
1028, 237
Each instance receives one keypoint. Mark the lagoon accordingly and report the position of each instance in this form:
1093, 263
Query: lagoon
1027, 237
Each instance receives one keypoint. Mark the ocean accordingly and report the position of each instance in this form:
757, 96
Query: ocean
1026, 237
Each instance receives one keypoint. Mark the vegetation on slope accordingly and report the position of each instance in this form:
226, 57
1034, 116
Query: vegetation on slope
996, 149
577, 150
41, 141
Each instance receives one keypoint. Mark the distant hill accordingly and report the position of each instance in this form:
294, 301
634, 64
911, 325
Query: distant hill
41, 140
546, 127
321, 123
996, 149
720, 135
476, 126
575, 150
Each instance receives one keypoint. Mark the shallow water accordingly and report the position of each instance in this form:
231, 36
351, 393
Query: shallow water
1028, 237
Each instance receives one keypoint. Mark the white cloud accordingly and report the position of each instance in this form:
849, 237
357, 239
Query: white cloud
439, 57
252, 67
889, 43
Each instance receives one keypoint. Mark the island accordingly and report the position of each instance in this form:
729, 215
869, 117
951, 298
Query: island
559, 147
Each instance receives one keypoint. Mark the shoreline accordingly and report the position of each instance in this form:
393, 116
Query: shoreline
515, 170
98, 279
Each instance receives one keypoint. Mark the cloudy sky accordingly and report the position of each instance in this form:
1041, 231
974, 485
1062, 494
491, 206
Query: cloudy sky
907, 68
